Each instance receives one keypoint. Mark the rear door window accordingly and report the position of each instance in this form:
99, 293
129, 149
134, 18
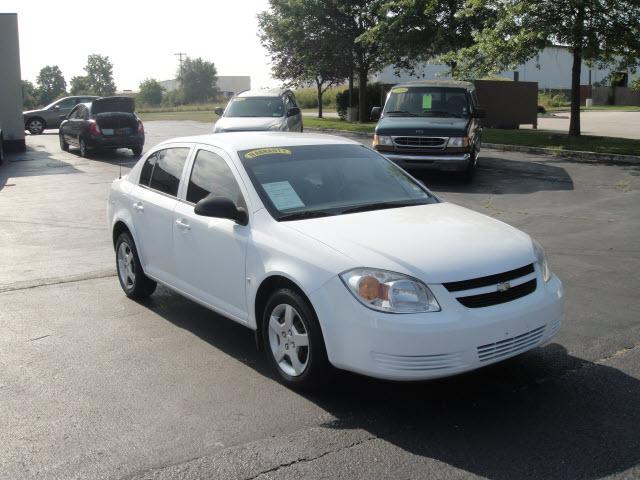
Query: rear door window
211, 174
167, 170
147, 169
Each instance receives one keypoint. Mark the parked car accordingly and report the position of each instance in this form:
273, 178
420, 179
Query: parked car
332, 254
430, 125
256, 110
105, 123
37, 121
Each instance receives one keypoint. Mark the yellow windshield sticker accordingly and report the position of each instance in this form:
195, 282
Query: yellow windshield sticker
426, 101
239, 99
267, 151
399, 90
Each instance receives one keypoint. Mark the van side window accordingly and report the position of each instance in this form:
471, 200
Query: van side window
211, 174
168, 169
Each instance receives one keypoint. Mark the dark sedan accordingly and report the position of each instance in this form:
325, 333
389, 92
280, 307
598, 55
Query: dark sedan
105, 123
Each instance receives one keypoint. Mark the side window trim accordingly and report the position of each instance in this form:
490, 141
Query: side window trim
185, 168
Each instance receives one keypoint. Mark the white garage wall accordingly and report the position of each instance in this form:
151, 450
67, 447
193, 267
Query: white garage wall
10, 84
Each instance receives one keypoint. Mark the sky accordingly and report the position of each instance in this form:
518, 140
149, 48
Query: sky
141, 37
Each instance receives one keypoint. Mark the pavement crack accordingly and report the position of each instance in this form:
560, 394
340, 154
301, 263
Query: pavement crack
38, 338
44, 282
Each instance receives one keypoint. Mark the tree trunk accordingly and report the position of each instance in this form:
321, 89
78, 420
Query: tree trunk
319, 86
574, 122
351, 88
363, 115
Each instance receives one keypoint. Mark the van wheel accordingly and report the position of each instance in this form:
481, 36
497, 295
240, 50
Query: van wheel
293, 342
469, 172
134, 282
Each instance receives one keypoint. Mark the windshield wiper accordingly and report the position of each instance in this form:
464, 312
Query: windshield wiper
401, 112
305, 214
379, 206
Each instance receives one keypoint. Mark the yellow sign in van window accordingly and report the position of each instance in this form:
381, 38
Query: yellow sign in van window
426, 101
399, 90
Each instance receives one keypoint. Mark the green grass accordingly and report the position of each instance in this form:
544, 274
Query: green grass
196, 107
595, 108
197, 116
337, 124
561, 141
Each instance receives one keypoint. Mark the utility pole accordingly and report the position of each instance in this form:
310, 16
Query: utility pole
180, 55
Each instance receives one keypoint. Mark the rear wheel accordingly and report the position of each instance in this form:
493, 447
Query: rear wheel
293, 340
84, 150
63, 145
137, 151
133, 281
35, 126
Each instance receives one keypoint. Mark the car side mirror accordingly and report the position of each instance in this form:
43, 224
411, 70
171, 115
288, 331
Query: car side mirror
376, 113
293, 111
56, 107
221, 207
479, 113
218, 111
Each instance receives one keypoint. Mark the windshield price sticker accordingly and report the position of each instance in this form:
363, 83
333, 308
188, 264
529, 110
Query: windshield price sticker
426, 101
267, 151
283, 196
399, 90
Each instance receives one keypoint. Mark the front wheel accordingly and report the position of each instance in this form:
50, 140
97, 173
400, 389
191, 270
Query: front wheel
133, 281
35, 126
293, 341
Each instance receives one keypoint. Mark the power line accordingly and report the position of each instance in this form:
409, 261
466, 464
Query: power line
180, 55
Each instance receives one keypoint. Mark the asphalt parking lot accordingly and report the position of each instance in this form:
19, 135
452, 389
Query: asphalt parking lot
93, 385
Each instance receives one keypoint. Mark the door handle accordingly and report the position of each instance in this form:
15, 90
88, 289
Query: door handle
183, 225
138, 206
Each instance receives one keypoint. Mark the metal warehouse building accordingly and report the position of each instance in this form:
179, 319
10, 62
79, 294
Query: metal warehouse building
11, 124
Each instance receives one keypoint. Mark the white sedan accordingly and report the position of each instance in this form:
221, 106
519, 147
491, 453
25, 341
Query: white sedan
332, 254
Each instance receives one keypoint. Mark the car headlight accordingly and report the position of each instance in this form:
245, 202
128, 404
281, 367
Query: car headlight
458, 142
541, 258
382, 140
389, 292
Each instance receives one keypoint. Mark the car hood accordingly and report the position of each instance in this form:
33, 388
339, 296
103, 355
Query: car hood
29, 112
240, 124
448, 126
437, 243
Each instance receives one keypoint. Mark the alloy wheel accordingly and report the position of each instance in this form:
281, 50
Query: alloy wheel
35, 126
126, 266
288, 340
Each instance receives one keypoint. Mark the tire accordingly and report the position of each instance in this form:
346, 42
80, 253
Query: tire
468, 173
35, 126
137, 151
84, 150
134, 282
63, 145
288, 318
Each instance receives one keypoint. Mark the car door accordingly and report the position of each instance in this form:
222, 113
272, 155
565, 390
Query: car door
211, 252
71, 127
153, 202
61, 108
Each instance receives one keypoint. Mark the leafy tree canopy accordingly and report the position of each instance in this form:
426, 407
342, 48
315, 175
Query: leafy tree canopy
51, 84
150, 92
100, 75
198, 80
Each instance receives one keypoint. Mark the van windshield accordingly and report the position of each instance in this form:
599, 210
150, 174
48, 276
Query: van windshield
310, 181
255, 107
427, 102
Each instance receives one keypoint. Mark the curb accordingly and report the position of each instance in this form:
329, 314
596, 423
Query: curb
576, 155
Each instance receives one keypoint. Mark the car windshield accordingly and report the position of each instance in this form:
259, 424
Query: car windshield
321, 180
255, 107
427, 102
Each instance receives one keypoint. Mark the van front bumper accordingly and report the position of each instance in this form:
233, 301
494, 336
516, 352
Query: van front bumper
433, 161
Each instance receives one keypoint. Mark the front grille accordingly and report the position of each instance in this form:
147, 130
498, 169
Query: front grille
489, 280
510, 346
419, 142
417, 363
495, 298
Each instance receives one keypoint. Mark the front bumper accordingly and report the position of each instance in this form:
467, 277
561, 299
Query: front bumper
432, 161
432, 345
129, 141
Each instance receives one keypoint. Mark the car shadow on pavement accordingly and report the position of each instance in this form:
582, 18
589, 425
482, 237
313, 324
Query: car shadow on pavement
501, 176
544, 414
33, 162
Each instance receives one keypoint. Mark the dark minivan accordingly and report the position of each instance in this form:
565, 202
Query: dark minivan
430, 124
105, 123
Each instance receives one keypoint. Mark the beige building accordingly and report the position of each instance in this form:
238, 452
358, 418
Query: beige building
11, 124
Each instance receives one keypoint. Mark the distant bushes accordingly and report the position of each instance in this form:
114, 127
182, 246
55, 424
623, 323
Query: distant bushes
374, 99
308, 97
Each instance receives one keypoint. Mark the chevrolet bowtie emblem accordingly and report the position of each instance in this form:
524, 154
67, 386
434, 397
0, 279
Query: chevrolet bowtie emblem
503, 287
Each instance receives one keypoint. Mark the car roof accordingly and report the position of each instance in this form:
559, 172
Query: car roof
437, 83
263, 92
238, 141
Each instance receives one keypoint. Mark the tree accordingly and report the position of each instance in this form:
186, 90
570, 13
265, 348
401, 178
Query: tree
100, 75
150, 92
51, 84
306, 44
603, 32
198, 80
80, 86
29, 95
